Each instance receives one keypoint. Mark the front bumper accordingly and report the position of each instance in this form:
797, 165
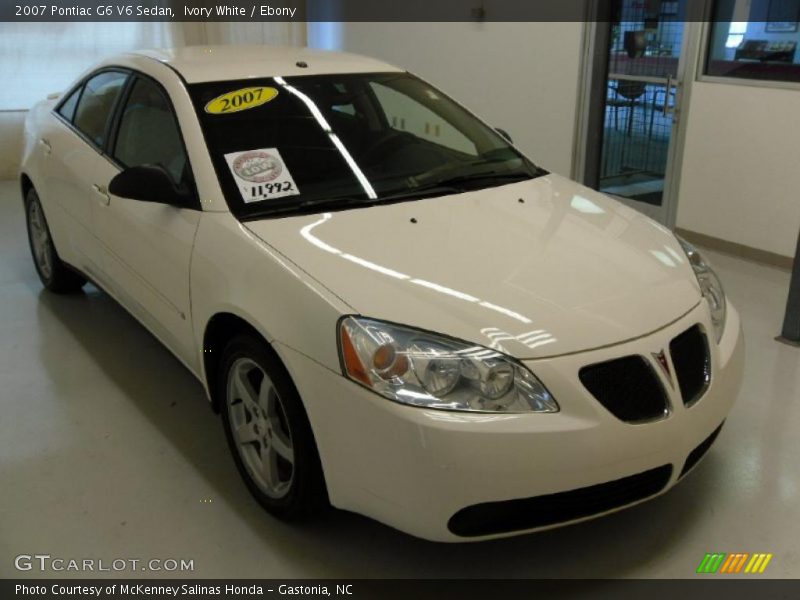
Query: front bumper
414, 469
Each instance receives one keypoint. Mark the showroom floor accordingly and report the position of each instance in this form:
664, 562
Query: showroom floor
108, 450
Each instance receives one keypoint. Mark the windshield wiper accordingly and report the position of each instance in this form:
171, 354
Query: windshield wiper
450, 185
311, 206
458, 180
425, 191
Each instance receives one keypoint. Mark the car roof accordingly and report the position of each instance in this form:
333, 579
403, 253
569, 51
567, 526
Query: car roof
220, 63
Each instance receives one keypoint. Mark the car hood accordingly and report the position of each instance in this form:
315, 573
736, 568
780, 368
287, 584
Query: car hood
535, 269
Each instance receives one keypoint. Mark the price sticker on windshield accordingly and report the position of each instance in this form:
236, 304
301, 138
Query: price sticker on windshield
261, 175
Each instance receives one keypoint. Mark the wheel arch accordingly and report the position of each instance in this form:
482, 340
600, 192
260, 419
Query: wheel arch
26, 184
219, 330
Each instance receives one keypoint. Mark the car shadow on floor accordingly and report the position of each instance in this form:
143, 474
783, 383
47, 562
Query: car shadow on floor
342, 544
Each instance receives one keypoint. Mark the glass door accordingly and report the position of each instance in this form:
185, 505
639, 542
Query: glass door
639, 103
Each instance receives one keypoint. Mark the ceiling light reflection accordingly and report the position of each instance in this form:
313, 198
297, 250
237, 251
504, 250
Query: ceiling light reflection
374, 267
445, 290
323, 122
663, 258
531, 339
506, 311
676, 255
306, 232
586, 206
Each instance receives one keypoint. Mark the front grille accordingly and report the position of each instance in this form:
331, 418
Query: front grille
692, 363
699, 452
528, 513
628, 387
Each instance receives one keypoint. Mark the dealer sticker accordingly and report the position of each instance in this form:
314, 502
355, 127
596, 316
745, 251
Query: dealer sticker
238, 100
261, 175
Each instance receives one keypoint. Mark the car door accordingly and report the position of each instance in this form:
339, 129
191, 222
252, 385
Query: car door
148, 245
77, 169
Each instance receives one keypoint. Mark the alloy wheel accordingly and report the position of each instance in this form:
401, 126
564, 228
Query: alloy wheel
260, 428
40, 239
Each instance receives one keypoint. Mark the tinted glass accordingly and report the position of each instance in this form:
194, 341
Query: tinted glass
67, 109
331, 141
405, 113
755, 40
96, 103
148, 131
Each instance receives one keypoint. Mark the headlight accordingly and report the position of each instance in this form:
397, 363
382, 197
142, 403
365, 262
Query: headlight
710, 286
423, 369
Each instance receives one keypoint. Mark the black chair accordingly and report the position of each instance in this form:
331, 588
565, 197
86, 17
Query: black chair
629, 95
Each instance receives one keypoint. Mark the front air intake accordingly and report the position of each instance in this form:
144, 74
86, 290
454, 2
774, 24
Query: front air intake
628, 387
692, 364
540, 511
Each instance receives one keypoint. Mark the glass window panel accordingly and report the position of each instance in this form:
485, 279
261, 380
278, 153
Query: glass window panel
148, 132
756, 39
67, 109
98, 99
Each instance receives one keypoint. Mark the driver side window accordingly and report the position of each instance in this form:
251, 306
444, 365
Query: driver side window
148, 132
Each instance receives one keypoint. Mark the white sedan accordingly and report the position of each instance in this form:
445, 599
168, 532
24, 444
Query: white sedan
394, 310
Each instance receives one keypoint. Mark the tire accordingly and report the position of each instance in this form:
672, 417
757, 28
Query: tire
55, 275
266, 428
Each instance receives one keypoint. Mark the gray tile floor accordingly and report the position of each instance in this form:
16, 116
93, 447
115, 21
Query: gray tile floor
108, 450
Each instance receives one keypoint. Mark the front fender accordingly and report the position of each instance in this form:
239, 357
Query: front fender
233, 271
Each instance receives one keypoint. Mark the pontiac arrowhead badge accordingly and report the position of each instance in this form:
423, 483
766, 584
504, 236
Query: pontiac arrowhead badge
661, 359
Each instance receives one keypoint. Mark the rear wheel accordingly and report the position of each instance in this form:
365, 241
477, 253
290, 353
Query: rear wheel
268, 431
54, 274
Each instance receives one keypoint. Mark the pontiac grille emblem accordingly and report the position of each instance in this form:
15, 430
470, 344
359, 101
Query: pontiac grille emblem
661, 359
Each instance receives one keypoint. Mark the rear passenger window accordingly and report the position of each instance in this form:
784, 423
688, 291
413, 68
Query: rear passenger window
94, 109
148, 132
67, 109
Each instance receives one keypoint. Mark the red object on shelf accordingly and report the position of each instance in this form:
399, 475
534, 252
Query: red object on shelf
754, 70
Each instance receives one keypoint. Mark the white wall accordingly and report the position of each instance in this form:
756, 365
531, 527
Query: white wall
239, 32
522, 77
741, 167
11, 123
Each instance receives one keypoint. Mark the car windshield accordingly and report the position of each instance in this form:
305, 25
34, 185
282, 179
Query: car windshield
323, 142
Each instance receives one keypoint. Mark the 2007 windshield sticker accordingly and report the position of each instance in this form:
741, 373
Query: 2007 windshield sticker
242, 99
261, 175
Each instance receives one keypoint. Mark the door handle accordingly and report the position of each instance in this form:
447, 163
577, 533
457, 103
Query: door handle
103, 193
667, 91
47, 147
667, 109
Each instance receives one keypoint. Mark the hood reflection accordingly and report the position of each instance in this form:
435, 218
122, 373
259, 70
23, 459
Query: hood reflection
306, 232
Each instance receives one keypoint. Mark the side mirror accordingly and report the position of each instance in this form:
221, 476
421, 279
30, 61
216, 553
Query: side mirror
149, 183
505, 134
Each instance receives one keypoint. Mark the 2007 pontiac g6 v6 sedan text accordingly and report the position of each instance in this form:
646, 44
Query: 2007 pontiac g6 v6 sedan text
393, 309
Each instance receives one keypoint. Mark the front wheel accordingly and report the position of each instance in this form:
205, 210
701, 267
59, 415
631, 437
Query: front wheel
54, 274
268, 431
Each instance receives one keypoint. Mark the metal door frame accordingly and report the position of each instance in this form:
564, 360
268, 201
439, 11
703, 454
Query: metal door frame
591, 113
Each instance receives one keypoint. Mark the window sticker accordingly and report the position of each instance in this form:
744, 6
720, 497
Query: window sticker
261, 175
239, 100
